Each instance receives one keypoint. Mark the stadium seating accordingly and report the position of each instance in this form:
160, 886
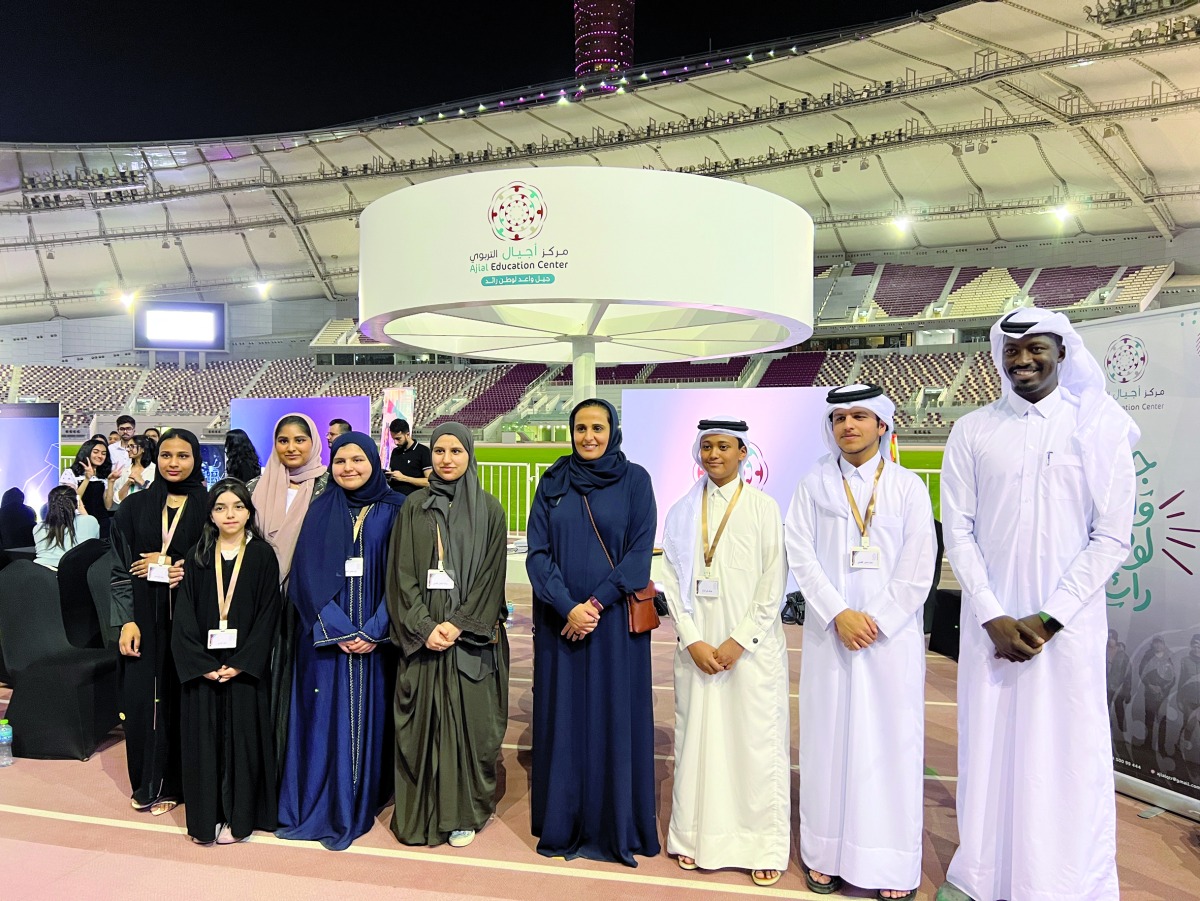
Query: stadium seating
290, 378
502, 397
201, 392
978, 291
903, 375
729, 371
798, 369
981, 384
1137, 281
835, 368
83, 391
622, 374
1061, 286
907, 290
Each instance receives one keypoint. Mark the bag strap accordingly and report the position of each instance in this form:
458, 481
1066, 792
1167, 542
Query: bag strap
588, 507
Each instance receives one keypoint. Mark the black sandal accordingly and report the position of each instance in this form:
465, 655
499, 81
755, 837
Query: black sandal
822, 888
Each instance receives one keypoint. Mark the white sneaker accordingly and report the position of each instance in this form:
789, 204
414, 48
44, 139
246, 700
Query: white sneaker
460, 838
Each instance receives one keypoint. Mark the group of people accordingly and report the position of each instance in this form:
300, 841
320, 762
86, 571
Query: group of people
300, 647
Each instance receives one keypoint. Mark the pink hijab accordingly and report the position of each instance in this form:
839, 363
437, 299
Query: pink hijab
279, 523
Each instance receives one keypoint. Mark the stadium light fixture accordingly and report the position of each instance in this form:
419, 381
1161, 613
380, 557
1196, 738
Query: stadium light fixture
127, 298
902, 222
263, 289
863, 165
271, 233
165, 245
49, 254
817, 173
1062, 212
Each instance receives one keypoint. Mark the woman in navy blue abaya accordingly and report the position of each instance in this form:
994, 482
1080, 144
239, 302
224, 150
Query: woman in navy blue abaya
592, 792
337, 770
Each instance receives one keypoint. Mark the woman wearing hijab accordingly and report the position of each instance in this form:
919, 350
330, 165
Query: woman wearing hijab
294, 476
17, 520
152, 533
446, 598
339, 737
593, 781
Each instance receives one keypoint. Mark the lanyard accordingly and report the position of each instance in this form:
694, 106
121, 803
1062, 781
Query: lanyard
711, 549
225, 597
864, 522
437, 526
168, 535
358, 523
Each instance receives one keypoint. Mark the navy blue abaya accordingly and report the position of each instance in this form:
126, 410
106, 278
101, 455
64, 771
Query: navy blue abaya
593, 781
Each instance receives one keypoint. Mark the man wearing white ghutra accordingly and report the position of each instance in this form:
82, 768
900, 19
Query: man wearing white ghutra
724, 583
860, 544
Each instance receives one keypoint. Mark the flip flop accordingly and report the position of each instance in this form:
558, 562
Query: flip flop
765, 880
140, 807
163, 805
834, 884
906, 897
683, 865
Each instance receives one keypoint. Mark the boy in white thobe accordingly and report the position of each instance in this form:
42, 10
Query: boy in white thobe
724, 582
860, 543
1038, 496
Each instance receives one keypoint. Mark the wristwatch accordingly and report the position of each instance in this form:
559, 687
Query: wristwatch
1052, 625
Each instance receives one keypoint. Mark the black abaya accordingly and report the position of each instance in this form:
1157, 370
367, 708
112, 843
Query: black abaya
228, 741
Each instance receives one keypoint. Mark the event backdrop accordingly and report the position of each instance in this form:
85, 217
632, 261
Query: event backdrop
659, 427
29, 450
257, 417
1152, 363
398, 403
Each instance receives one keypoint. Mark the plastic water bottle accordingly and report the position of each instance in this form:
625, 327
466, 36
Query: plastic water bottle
508, 619
6, 758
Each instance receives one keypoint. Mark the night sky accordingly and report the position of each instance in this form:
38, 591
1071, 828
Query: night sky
87, 70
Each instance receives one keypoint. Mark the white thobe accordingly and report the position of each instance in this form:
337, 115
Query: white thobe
1036, 814
731, 802
862, 713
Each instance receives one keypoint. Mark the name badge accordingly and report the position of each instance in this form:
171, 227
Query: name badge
158, 572
439, 578
354, 567
708, 588
222, 638
864, 558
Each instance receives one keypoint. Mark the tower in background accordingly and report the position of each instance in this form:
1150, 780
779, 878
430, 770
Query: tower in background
603, 36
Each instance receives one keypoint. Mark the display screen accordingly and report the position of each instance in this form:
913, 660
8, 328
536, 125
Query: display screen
179, 326
29, 450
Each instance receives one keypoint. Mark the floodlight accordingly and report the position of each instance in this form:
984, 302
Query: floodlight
902, 222
127, 298
863, 165
1063, 213
263, 288
49, 254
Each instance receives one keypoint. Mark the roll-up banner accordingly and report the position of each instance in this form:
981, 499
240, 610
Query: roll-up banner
398, 403
1152, 363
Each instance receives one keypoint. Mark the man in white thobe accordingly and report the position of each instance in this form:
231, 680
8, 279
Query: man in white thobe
860, 543
1038, 496
724, 582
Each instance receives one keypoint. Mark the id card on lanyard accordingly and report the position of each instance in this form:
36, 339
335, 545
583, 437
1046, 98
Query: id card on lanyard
864, 556
223, 636
709, 587
354, 565
439, 578
161, 570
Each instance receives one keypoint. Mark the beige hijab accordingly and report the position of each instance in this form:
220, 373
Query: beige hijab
279, 523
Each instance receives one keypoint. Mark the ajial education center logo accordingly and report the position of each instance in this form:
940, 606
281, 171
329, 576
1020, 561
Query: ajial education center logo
1125, 360
517, 212
515, 217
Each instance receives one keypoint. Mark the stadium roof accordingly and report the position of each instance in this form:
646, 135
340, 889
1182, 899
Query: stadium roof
981, 122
